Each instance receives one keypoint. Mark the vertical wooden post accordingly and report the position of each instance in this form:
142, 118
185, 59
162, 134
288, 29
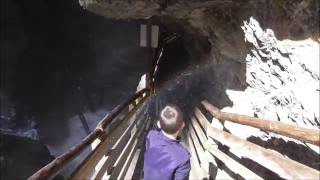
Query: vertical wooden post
149, 55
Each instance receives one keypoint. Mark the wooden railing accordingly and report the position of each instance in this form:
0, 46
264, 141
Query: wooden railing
98, 138
204, 137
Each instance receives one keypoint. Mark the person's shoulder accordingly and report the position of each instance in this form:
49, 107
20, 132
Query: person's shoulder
183, 153
152, 133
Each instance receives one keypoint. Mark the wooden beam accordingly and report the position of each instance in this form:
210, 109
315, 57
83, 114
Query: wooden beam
87, 168
231, 164
276, 162
213, 149
127, 169
128, 151
196, 170
122, 138
303, 134
53, 168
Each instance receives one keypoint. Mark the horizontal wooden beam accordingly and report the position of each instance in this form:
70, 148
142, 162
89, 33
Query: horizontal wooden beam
231, 163
303, 134
283, 166
53, 168
213, 149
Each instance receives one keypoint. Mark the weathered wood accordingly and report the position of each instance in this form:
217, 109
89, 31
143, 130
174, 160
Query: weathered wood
132, 165
107, 120
283, 166
201, 118
87, 168
199, 131
231, 164
303, 134
196, 170
53, 168
122, 138
127, 151
198, 147
201, 152
124, 172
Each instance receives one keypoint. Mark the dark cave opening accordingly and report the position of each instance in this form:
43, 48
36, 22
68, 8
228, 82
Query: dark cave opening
64, 62
59, 61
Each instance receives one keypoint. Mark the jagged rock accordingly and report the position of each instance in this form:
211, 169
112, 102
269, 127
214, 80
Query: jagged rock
219, 20
279, 86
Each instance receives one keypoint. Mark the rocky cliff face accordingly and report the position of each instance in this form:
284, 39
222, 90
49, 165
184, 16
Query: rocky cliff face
220, 20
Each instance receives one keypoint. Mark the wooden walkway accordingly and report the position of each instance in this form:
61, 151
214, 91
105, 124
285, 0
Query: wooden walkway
118, 145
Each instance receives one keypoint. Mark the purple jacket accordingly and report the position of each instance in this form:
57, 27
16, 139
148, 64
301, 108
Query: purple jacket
165, 158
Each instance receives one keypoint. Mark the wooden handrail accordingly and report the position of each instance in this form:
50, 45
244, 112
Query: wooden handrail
53, 168
276, 162
303, 134
273, 160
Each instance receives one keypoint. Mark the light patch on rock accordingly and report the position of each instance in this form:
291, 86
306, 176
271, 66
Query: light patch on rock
283, 81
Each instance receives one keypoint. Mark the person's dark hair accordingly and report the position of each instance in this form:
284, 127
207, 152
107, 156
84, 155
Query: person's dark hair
171, 119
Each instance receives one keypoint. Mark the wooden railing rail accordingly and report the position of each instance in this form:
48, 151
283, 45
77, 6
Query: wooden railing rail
303, 134
53, 168
206, 136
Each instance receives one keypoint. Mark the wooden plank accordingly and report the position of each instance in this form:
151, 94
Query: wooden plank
204, 161
203, 120
283, 166
205, 157
196, 171
129, 149
115, 151
132, 165
139, 145
87, 168
303, 134
231, 164
199, 131
129, 169
51, 169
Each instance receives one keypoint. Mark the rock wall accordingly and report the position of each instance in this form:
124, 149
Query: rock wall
220, 20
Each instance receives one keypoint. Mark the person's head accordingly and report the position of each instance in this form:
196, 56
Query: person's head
171, 119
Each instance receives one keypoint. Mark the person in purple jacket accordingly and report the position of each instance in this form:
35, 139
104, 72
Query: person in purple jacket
165, 158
